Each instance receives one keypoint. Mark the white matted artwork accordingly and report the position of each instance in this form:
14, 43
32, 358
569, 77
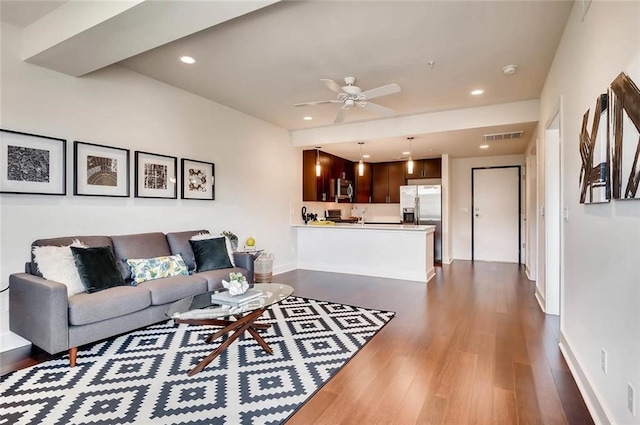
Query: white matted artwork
32, 164
100, 170
198, 179
155, 176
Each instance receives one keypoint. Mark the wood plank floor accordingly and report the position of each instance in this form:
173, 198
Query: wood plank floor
470, 347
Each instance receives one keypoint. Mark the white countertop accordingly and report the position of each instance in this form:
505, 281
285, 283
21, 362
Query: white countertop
393, 227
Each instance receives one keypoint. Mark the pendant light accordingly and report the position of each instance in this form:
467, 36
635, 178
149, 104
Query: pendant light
410, 162
361, 164
318, 167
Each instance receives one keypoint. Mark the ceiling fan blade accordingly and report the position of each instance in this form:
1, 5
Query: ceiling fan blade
379, 109
319, 102
340, 117
332, 85
381, 91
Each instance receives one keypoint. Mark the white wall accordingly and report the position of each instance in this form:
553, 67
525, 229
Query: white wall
461, 198
600, 304
257, 170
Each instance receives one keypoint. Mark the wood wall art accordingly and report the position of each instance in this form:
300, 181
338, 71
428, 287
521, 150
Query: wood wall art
32, 164
610, 147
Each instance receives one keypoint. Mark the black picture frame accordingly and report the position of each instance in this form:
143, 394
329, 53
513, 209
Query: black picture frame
100, 170
34, 164
155, 176
198, 179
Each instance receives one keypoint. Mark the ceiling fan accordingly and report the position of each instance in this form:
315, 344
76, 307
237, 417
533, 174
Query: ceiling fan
351, 96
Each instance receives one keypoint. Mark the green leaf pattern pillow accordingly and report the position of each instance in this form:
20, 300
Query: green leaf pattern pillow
156, 268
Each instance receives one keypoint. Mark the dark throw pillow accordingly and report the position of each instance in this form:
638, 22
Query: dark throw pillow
97, 268
210, 254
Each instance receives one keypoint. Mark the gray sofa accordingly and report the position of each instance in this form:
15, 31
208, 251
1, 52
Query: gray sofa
41, 312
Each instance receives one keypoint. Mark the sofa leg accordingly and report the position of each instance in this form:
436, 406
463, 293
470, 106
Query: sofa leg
73, 355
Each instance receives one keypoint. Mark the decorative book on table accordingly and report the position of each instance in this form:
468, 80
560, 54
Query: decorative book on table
235, 300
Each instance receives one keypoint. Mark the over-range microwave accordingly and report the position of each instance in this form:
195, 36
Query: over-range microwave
341, 189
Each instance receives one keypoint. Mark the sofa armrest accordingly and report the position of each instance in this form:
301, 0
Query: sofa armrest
38, 311
245, 260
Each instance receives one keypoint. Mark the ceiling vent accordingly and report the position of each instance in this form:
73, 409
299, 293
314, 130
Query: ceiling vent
503, 136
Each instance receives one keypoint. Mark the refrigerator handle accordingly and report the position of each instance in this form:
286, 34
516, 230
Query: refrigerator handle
416, 217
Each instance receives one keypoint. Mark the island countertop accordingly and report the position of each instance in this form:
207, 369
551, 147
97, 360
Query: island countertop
354, 226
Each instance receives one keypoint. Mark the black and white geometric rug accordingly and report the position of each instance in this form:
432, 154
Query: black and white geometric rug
141, 377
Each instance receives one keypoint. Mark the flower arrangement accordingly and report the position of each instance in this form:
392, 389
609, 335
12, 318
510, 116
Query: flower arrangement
232, 236
237, 284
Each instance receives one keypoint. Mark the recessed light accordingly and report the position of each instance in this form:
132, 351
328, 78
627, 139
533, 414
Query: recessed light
307, 118
477, 92
406, 153
366, 156
187, 59
484, 146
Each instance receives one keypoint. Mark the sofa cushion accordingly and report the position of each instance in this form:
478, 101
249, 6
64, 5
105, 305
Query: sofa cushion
211, 254
143, 269
141, 245
214, 277
97, 268
90, 241
170, 289
113, 302
179, 244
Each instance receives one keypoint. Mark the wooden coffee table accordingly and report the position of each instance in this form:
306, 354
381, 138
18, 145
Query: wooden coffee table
200, 310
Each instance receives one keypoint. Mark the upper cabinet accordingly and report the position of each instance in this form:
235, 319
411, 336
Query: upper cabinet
387, 177
363, 183
425, 169
318, 187
380, 183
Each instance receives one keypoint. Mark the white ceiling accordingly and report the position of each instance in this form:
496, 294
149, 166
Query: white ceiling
264, 62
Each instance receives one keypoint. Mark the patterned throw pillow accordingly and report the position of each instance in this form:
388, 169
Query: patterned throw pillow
156, 268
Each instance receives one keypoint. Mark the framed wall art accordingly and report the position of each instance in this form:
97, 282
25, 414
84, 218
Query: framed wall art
100, 170
198, 180
32, 164
155, 176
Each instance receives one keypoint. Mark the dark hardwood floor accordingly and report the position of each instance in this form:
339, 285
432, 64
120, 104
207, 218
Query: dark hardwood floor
469, 347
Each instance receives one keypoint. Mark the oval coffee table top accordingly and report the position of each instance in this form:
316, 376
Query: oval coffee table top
202, 306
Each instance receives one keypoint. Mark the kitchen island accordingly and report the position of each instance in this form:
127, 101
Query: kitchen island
383, 250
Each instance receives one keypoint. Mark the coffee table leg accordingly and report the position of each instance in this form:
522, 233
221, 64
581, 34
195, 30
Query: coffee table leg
245, 323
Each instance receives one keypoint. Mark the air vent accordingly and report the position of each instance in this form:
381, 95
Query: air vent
503, 136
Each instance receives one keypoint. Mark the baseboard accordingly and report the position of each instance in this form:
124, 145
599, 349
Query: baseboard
528, 273
540, 300
596, 409
283, 268
10, 341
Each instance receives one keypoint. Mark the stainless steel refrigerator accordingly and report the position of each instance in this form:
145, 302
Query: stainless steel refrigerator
422, 204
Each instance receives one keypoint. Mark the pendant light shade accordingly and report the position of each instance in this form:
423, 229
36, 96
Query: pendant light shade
410, 162
360, 163
318, 167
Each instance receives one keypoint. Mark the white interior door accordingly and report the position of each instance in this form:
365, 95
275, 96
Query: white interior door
496, 214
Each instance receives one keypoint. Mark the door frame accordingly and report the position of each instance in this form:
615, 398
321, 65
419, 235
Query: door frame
473, 170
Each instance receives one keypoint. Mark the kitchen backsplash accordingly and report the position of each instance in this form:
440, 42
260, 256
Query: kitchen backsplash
384, 213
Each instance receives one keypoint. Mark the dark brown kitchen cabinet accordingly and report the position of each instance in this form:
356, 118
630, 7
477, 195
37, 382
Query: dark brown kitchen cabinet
425, 169
387, 177
362, 184
314, 187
